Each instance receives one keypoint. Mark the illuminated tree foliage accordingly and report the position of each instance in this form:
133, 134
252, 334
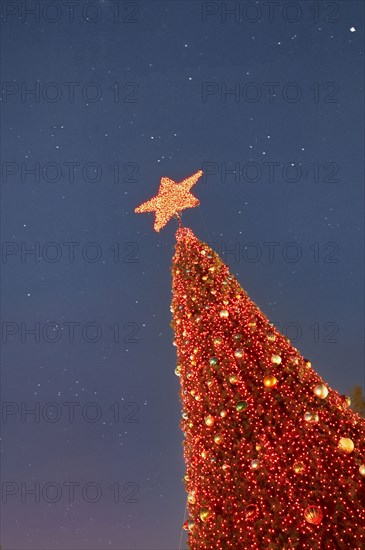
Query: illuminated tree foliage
275, 459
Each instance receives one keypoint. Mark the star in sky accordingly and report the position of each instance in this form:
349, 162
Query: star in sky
171, 199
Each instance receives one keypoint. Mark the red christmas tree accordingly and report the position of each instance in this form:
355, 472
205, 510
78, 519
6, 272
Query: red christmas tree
275, 458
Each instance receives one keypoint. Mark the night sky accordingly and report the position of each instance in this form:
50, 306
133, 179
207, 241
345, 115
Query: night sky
267, 100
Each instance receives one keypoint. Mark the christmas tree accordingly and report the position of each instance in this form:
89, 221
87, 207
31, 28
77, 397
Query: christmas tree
275, 458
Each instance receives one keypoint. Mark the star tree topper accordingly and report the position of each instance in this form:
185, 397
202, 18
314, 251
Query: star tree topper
171, 199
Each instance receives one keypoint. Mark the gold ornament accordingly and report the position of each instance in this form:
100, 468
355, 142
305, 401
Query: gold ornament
205, 514
307, 363
218, 438
252, 324
238, 353
346, 445
233, 379
237, 337
255, 464
270, 381
276, 359
313, 515
311, 417
203, 454
209, 420
271, 337
178, 371
362, 470
217, 341
225, 467
223, 314
191, 526
223, 414
258, 447
191, 498
298, 467
346, 401
320, 391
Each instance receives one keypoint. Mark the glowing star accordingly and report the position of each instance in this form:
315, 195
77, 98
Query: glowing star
171, 199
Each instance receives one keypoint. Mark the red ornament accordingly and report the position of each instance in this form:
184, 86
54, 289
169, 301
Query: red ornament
313, 514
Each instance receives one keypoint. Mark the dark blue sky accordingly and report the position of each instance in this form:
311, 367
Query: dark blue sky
125, 93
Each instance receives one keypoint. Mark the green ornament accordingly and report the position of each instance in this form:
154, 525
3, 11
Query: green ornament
241, 406
213, 361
